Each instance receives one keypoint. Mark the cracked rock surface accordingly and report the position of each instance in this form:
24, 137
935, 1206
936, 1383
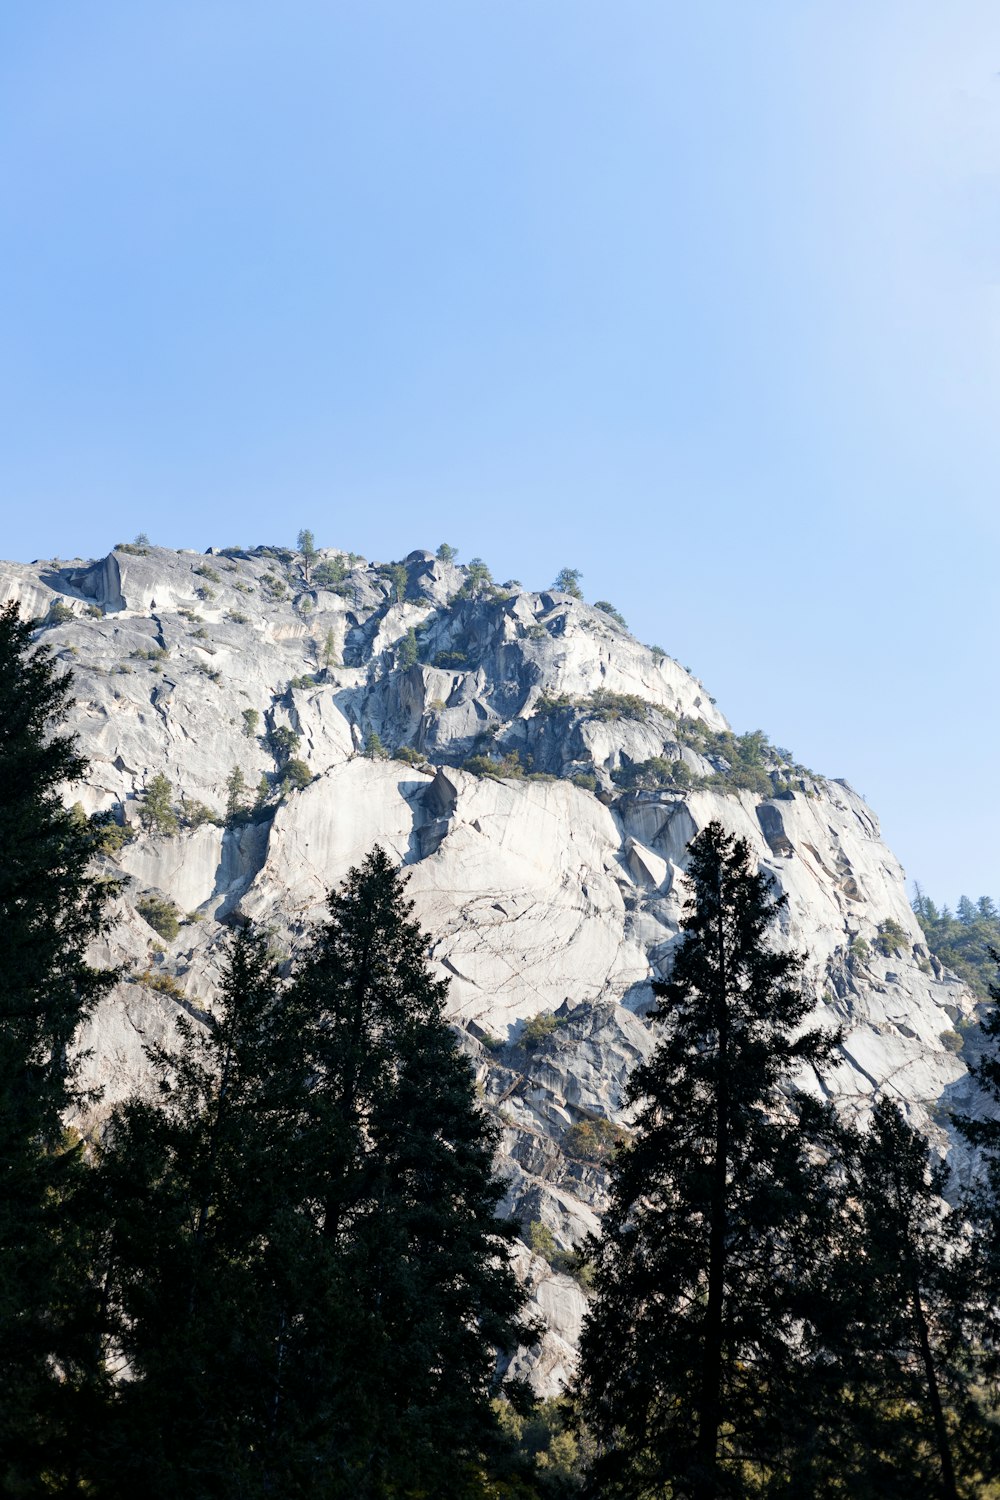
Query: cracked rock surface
541, 895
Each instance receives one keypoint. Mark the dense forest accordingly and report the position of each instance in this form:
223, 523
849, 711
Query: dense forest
279, 1271
965, 940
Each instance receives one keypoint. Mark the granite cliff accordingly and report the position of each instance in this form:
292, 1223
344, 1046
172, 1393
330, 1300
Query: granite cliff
537, 770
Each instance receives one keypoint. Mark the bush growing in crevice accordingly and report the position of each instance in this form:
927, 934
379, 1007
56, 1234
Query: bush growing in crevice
593, 1139
536, 1031
161, 914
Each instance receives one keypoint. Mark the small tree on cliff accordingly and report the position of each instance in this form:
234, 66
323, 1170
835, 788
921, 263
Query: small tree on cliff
692, 1353
50, 909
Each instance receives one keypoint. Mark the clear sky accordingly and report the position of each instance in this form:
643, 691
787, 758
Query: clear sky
701, 299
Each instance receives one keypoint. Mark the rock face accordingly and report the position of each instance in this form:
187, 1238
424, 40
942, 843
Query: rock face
548, 772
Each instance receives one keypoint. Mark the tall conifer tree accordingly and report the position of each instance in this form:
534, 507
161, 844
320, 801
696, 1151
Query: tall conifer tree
206, 1247
51, 908
425, 1294
304, 1271
694, 1351
902, 1312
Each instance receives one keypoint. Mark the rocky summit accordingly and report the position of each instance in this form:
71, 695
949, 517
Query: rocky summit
537, 770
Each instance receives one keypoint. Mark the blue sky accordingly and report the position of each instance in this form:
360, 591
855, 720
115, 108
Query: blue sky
701, 299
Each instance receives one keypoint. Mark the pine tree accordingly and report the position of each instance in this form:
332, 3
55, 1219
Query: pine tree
409, 651
51, 907
329, 652
902, 1306
304, 1272
206, 1247
404, 1350
981, 1203
236, 787
157, 811
695, 1350
307, 547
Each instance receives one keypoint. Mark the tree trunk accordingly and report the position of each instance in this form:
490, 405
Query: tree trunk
948, 1490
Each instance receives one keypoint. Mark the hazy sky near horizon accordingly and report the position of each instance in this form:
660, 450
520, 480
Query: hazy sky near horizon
701, 299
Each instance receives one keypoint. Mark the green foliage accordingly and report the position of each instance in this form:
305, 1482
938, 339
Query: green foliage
609, 609
236, 790
297, 774
962, 941
569, 1262
308, 1208
505, 769
59, 613
901, 1323
150, 653
409, 756
161, 914
859, 951
328, 655
536, 1031
163, 984
374, 748
568, 582
658, 772
305, 681
204, 570
109, 836
585, 781
980, 1203
156, 811
284, 742
545, 705
609, 706
307, 547
546, 1451
408, 652
138, 548
274, 586
593, 1139
52, 908
891, 938
451, 660
952, 1040
398, 580
445, 553
478, 582
330, 574
694, 1353
237, 617
251, 723
194, 814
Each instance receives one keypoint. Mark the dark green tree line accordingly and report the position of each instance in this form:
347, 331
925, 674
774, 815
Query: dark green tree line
303, 1272
50, 910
